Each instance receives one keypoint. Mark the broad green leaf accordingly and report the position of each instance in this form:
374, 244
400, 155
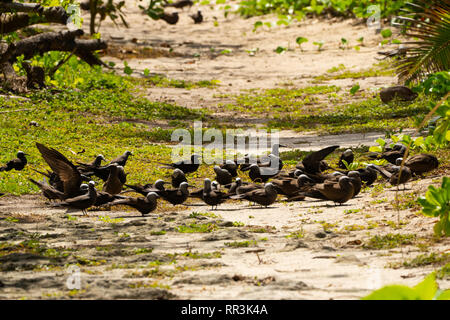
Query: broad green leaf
301, 40
443, 295
394, 292
427, 288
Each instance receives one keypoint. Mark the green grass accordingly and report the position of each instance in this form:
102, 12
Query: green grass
320, 108
98, 112
160, 81
444, 272
390, 241
381, 69
197, 228
434, 258
241, 244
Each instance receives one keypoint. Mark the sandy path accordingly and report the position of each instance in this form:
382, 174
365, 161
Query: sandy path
199, 50
319, 265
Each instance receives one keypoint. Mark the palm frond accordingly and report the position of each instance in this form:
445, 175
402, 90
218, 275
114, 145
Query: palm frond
429, 23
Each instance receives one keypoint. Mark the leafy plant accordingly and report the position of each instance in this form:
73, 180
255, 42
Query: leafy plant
354, 89
425, 290
437, 84
319, 45
280, 49
104, 9
429, 23
301, 40
436, 203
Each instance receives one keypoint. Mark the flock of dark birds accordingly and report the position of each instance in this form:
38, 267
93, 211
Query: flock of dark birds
173, 17
72, 185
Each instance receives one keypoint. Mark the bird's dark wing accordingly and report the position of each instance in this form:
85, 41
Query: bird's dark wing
65, 169
312, 161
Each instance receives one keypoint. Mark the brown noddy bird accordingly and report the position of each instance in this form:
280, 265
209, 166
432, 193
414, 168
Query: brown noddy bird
178, 177
180, 4
390, 154
104, 198
356, 181
175, 196
187, 166
397, 92
170, 18
337, 191
96, 163
223, 177
273, 161
347, 156
286, 186
143, 205
82, 202
421, 163
368, 175
66, 170
231, 167
114, 183
197, 17
48, 191
145, 189
54, 179
232, 187
199, 193
312, 162
400, 175
264, 197
261, 174
16, 163
304, 183
211, 196
122, 159
244, 188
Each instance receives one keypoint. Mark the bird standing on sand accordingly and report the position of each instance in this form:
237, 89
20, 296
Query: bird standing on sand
312, 162
178, 177
122, 159
197, 17
337, 191
258, 174
114, 184
82, 202
212, 197
264, 197
170, 18
346, 156
67, 172
180, 4
399, 175
48, 191
421, 163
143, 205
223, 177
175, 196
17, 163
187, 166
